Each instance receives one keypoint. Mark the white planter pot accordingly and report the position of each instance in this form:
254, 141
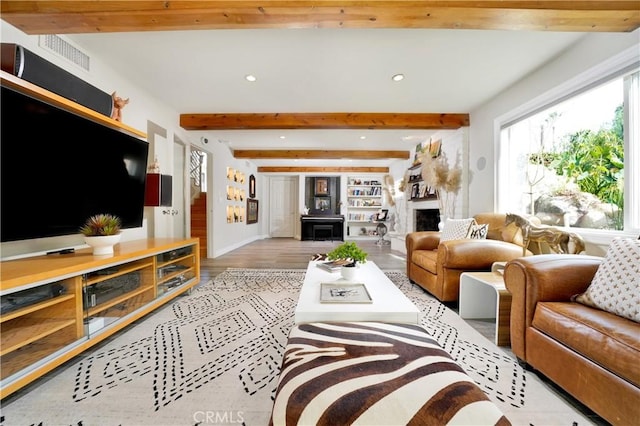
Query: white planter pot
102, 244
349, 272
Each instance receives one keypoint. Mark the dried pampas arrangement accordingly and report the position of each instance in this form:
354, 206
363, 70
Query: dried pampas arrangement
390, 190
447, 180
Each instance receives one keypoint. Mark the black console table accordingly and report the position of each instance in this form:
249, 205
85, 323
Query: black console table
322, 227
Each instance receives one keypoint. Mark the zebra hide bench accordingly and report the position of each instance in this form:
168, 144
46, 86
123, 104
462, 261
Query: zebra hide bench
372, 373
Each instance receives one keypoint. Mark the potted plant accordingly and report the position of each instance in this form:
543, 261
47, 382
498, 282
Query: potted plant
348, 250
102, 232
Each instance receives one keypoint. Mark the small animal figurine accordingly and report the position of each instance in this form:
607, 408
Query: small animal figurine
118, 104
557, 239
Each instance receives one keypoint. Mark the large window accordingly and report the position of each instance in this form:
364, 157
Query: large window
575, 161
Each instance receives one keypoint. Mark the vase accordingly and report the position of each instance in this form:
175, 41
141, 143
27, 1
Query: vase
443, 219
348, 272
102, 244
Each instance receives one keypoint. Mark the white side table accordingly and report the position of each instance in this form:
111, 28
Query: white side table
483, 295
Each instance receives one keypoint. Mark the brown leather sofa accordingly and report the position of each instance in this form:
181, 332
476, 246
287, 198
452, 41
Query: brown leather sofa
436, 266
592, 354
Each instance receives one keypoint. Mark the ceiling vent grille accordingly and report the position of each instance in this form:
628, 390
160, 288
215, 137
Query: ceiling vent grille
65, 49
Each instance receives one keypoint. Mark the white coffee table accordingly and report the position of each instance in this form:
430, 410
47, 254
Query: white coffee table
389, 304
484, 295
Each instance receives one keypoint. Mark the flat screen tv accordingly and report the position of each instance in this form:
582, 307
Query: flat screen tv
58, 168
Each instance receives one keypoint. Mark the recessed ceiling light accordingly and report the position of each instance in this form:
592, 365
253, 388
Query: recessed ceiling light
363, 137
398, 77
250, 77
283, 137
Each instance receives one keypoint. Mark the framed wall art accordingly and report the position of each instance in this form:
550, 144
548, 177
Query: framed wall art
322, 186
252, 211
322, 203
415, 190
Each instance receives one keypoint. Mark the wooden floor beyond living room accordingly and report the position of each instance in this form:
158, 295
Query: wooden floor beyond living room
288, 253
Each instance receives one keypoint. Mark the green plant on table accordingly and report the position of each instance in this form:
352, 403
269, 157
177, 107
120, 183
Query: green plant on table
100, 225
348, 250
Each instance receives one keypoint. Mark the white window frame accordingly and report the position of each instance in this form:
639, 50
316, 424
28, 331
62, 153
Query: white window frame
618, 65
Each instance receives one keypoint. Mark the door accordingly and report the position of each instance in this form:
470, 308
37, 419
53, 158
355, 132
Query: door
283, 192
179, 204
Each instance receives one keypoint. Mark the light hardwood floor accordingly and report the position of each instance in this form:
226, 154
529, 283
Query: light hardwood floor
289, 253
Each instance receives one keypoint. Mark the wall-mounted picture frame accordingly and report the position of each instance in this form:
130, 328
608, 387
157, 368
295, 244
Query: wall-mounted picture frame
418, 152
252, 211
382, 216
229, 214
322, 186
252, 186
415, 190
435, 147
322, 203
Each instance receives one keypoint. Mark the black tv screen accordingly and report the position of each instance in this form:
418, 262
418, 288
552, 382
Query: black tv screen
58, 168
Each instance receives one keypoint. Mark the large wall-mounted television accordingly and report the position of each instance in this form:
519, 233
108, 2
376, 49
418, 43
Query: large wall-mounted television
58, 168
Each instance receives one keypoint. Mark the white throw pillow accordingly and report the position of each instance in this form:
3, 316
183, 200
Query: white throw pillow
615, 287
478, 232
456, 229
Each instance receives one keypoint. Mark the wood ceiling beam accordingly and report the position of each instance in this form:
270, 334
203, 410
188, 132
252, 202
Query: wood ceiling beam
331, 120
274, 154
277, 169
69, 17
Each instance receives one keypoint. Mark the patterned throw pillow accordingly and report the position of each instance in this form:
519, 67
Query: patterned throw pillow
478, 232
615, 287
456, 229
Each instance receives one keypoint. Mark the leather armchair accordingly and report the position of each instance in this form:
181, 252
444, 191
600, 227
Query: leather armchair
436, 266
590, 353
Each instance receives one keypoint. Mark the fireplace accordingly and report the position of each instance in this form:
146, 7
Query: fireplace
426, 220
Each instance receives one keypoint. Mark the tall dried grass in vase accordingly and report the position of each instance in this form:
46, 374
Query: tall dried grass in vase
447, 181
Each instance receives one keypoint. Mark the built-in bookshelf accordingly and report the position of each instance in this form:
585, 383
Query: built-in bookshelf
364, 201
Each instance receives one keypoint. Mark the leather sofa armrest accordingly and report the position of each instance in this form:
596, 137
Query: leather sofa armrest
475, 255
543, 278
423, 240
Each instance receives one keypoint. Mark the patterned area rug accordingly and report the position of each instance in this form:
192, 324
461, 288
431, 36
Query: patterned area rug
212, 357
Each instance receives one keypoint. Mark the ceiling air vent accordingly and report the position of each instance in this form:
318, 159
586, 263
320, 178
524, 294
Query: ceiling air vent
65, 49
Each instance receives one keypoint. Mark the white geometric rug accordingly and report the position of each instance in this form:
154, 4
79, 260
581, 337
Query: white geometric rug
212, 357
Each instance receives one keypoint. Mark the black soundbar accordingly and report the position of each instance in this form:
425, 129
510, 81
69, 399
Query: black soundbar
28, 66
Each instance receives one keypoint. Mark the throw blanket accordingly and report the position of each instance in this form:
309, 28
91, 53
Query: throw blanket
374, 374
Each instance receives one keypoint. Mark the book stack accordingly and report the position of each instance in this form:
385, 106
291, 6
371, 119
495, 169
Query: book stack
333, 265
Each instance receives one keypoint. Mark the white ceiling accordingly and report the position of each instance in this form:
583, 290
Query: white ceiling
325, 70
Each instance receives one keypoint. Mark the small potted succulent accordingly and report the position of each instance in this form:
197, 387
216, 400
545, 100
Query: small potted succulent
348, 250
102, 232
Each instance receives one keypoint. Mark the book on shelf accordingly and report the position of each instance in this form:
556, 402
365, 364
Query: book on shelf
333, 265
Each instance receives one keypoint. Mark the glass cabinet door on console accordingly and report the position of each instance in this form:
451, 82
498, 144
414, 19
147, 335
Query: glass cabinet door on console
112, 293
38, 321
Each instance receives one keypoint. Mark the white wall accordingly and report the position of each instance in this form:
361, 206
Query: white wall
588, 52
223, 236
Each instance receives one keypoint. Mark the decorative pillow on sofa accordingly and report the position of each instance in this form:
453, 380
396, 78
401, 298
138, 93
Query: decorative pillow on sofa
478, 232
456, 229
615, 287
